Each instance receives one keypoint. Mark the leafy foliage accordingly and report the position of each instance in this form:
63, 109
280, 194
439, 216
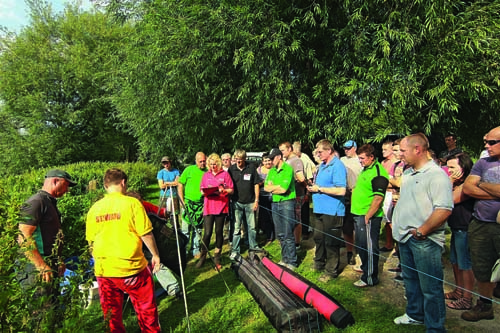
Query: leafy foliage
14, 190
223, 74
54, 85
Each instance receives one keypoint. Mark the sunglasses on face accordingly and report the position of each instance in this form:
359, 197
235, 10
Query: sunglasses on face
347, 148
491, 142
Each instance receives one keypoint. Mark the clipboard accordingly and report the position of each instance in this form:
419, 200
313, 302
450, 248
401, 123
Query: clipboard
210, 190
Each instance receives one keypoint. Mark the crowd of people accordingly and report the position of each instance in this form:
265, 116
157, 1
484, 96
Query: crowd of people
413, 191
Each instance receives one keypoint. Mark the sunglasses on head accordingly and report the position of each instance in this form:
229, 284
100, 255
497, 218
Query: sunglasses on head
491, 142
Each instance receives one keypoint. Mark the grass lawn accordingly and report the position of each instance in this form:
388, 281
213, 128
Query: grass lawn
214, 308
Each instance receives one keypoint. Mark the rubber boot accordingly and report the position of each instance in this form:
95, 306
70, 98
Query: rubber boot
217, 257
201, 261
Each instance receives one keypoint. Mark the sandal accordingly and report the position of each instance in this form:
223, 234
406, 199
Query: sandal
453, 295
461, 304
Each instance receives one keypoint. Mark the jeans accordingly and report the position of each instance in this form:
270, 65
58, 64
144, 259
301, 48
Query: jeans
284, 223
328, 239
241, 211
423, 279
167, 280
194, 241
367, 246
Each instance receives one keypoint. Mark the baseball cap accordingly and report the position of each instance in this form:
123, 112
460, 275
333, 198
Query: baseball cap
274, 152
166, 159
57, 173
349, 144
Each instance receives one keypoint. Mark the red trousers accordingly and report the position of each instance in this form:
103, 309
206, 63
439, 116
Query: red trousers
140, 288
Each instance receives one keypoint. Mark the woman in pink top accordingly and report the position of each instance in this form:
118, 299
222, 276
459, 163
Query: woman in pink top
216, 186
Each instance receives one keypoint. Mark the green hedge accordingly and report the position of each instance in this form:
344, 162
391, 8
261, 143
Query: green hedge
19, 305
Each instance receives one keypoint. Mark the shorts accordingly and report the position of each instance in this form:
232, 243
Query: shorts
484, 242
459, 249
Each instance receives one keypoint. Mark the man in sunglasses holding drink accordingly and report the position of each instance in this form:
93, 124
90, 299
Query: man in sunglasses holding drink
483, 183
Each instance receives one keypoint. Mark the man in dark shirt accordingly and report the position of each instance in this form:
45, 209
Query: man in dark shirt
451, 148
40, 231
245, 199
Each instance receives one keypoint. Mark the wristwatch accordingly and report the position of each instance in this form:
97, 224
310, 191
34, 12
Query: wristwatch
418, 233
319, 189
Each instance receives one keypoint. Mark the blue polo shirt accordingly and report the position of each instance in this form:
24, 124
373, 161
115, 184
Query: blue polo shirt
333, 174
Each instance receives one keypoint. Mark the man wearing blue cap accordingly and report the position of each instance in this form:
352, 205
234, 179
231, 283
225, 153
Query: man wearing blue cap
41, 235
353, 166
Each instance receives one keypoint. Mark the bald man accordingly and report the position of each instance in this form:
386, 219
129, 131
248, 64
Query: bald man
41, 233
483, 183
419, 218
192, 200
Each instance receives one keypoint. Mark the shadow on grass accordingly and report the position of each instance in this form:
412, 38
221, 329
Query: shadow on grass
203, 287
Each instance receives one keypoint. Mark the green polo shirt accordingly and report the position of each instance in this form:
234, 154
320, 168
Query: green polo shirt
285, 177
191, 179
372, 180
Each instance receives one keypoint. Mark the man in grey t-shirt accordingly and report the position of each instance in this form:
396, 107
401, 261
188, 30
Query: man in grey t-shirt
418, 225
300, 186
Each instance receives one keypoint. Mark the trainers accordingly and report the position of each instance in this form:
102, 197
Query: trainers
360, 284
290, 267
478, 312
325, 278
407, 320
233, 256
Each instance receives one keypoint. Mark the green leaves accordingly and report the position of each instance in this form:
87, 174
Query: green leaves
56, 79
194, 75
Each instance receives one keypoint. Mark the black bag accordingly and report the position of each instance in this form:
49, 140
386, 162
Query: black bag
285, 311
167, 244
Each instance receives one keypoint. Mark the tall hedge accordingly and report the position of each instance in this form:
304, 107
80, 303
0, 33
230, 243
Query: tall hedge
20, 306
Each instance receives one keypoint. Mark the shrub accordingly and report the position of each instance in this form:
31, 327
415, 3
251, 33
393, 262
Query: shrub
19, 305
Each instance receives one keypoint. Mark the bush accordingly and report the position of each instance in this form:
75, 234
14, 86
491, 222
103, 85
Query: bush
19, 305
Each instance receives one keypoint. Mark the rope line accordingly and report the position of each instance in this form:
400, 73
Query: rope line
381, 256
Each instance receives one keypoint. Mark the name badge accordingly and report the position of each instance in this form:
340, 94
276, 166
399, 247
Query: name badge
246, 176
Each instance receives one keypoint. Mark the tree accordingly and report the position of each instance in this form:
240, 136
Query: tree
219, 74
55, 83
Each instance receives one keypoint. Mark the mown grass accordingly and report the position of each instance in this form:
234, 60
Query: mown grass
213, 308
